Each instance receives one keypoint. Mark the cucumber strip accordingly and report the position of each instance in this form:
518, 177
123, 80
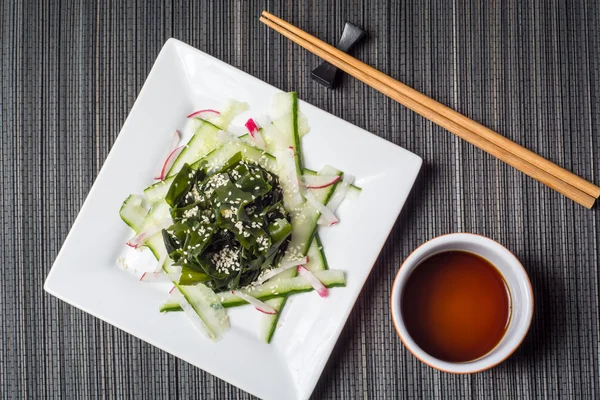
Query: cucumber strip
203, 141
303, 127
206, 305
283, 134
170, 305
305, 223
232, 109
317, 262
284, 110
221, 155
284, 286
353, 190
206, 139
279, 289
132, 212
158, 190
316, 255
268, 323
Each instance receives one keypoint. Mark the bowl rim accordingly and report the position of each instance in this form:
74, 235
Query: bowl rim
439, 368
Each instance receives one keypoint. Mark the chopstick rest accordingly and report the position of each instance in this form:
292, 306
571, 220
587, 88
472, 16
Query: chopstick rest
326, 74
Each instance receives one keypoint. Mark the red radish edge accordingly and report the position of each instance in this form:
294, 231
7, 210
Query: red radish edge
251, 125
253, 129
139, 239
313, 280
259, 305
167, 163
153, 277
337, 198
208, 110
171, 291
337, 178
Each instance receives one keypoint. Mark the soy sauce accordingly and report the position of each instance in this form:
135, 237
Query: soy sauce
456, 306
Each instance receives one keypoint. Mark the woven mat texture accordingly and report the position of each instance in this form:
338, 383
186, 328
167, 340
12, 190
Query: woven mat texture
70, 72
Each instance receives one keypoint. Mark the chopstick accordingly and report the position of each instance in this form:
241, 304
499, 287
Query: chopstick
537, 167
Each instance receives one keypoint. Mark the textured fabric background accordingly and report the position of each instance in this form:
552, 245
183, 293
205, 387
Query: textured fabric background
70, 71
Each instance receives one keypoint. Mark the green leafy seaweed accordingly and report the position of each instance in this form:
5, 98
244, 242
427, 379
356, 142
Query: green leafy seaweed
229, 222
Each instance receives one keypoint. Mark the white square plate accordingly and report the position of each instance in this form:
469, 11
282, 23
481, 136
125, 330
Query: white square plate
85, 273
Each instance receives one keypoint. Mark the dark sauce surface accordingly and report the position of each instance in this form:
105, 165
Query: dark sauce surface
456, 306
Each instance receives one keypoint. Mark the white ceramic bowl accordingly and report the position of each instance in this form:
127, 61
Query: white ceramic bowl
514, 274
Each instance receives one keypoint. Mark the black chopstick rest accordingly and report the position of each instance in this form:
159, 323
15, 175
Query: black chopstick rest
326, 73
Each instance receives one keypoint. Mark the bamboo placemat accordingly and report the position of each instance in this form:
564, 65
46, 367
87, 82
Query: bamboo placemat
70, 71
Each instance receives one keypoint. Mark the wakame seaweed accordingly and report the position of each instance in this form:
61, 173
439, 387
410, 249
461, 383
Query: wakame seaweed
229, 223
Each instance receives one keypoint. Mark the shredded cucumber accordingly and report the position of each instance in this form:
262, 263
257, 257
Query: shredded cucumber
268, 322
284, 286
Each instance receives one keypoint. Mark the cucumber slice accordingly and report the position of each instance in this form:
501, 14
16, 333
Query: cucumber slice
132, 212
268, 323
232, 109
305, 223
284, 286
203, 142
303, 127
284, 110
316, 255
170, 306
221, 155
206, 305
279, 289
317, 262
206, 139
282, 135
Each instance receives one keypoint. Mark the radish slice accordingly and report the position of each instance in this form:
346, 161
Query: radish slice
314, 281
284, 266
319, 181
253, 129
338, 196
327, 215
251, 125
154, 277
207, 113
175, 139
141, 238
259, 305
285, 158
159, 264
168, 162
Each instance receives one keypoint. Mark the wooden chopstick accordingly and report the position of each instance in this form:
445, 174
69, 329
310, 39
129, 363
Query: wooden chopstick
537, 167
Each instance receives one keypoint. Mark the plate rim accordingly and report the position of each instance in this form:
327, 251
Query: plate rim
416, 161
